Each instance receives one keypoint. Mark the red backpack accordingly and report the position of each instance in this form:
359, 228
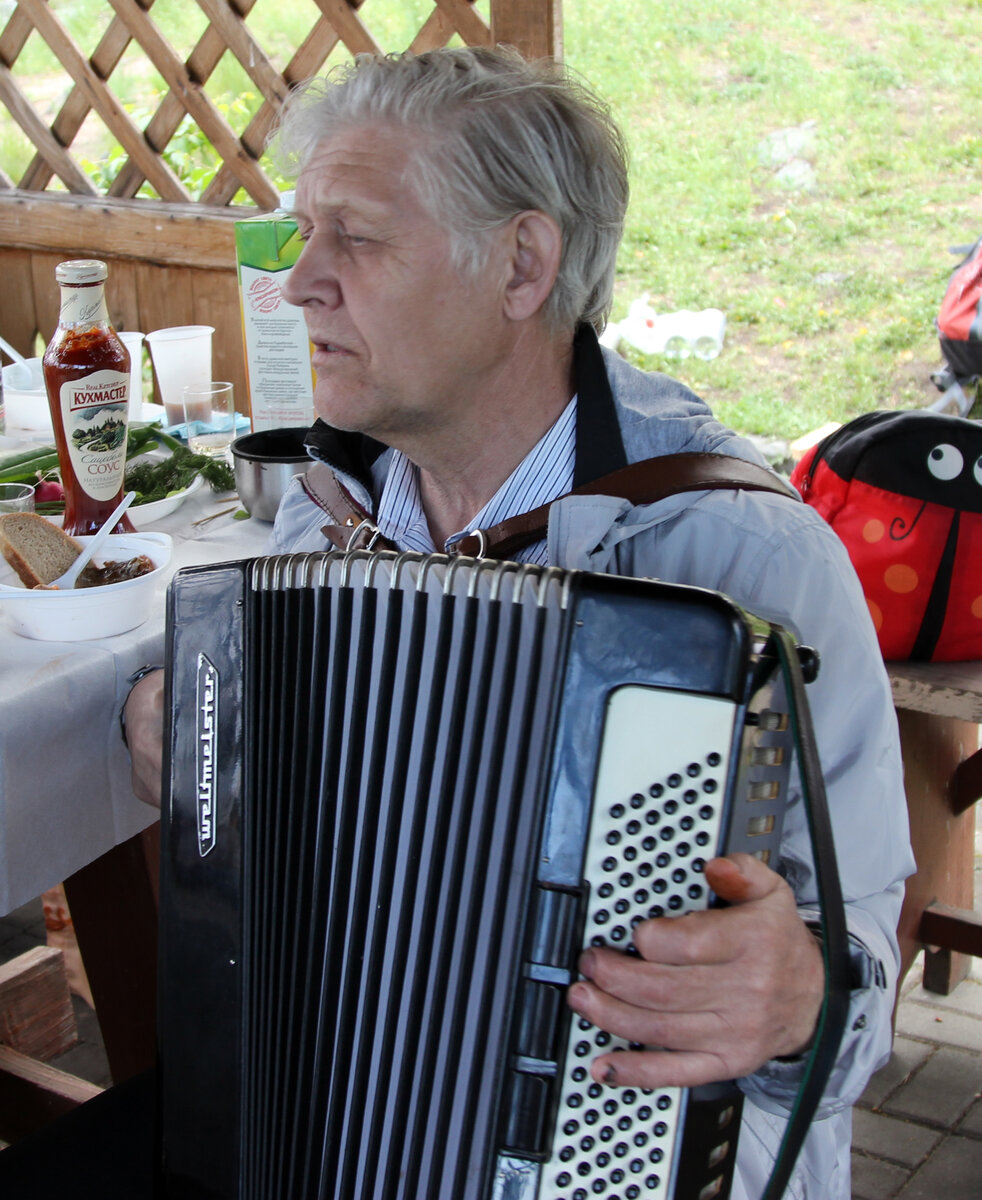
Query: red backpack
959, 319
903, 490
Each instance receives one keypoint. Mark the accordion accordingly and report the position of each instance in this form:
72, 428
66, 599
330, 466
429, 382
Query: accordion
402, 794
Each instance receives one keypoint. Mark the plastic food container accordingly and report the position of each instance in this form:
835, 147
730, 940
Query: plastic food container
87, 613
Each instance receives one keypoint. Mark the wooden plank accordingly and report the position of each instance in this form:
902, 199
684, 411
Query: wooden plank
163, 124
965, 785
251, 56
114, 910
952, 928
202, 109
147, 230
71, 116
18, 321
216, 302
165, 297
47, 297
36, 1014
467, 21
60, 161
943, 844
307, 61
533, 27
32, 1094
99, 96
436, 31
14, 37
122, 298
350, 27
944, 689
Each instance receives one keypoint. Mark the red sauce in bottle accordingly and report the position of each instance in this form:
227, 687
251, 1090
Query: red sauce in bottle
87, 376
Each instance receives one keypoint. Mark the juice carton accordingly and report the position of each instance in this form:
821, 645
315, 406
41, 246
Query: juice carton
277, 348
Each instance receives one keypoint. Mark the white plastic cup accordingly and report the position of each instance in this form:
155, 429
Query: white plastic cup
133, 342
181, 358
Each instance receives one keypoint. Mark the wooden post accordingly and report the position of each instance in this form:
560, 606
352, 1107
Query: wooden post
534, 27
943, 843
113, 902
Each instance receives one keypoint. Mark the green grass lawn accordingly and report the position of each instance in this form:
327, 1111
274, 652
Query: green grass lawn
830, 293
830, 290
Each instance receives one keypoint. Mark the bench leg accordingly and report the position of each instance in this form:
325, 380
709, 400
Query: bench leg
944, 844
113, 902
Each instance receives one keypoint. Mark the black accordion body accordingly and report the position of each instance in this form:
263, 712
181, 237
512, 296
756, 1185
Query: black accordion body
404, 793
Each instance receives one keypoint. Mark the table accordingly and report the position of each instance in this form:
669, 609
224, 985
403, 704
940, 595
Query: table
939, 710
67, 811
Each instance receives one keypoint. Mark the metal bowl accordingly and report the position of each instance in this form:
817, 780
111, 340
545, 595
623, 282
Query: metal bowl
264, 464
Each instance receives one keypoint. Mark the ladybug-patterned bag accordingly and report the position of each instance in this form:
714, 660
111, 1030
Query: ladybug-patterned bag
903, 490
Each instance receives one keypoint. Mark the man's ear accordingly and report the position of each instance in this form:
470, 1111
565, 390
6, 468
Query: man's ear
535, 246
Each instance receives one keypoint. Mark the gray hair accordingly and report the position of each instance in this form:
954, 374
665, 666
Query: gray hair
504, 136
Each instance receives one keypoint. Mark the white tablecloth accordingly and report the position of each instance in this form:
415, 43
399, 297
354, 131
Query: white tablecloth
65, 795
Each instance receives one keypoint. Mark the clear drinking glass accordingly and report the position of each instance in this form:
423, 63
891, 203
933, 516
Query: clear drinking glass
16, 497
209, 411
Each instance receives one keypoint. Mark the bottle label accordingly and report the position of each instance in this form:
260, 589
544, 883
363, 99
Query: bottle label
83, 306
93, 410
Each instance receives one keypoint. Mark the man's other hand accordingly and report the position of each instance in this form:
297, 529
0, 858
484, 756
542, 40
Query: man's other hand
144, 717
719, 992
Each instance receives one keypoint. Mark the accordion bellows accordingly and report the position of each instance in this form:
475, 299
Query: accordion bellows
403, 794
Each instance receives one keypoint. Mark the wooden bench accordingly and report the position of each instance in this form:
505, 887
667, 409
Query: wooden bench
939, 709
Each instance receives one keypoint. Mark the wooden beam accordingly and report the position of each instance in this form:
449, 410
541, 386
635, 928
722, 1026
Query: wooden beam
251, 56
958, 929
466, 20
32, 1094
103, 100
202, 109
178, 234
36, 1014
533, 27
163, 124
113, 902
350, 27
58, 160
71, 116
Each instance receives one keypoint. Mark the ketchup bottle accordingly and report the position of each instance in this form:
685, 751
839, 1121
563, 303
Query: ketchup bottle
87, 376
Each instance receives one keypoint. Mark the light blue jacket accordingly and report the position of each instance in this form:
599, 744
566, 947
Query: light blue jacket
779, 560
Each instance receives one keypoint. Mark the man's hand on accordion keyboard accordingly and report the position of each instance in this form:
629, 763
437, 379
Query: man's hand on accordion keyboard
720, 991
144, 724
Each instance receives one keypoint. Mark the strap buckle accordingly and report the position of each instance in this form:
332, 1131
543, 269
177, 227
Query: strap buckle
459, 550
364, 526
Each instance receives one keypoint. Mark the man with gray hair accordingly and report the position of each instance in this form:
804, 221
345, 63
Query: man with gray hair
462, 211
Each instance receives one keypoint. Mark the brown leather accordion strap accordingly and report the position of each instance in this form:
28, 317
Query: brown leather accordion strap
641, 483
353, 528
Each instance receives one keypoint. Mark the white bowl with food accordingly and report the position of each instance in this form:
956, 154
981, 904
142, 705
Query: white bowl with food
84, 613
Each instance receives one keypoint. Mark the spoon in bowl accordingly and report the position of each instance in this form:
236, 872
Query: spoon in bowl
67, 580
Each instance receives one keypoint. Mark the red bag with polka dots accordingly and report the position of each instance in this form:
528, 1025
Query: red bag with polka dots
903, 490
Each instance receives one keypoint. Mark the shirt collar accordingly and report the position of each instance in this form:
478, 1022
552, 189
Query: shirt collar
545, 473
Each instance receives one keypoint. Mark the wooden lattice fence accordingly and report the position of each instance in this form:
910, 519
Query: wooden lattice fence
172, 257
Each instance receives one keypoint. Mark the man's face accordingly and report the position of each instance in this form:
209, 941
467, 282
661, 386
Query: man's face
402, 343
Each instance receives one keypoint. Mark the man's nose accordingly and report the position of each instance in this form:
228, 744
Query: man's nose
313, 278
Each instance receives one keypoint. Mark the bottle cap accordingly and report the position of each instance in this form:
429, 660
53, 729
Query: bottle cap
81, 270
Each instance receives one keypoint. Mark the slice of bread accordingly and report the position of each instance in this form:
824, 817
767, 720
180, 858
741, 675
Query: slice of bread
37, 550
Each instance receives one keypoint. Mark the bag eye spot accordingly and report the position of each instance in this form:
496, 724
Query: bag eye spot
945, 461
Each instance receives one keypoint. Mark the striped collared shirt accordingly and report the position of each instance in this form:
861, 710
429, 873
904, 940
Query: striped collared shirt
545, 473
